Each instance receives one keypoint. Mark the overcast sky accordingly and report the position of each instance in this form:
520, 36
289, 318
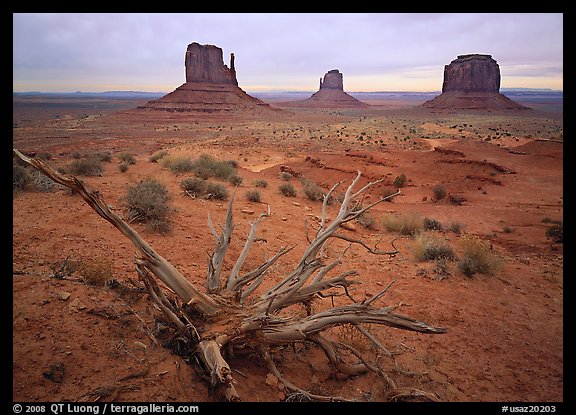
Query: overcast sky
375, 52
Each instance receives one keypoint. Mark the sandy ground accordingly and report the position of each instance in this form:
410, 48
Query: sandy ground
73, 341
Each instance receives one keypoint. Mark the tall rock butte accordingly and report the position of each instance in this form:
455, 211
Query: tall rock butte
330, 95
472, 82
211, 87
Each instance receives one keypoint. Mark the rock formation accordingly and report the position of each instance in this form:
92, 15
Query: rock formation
472, 82
211, 87
330, 95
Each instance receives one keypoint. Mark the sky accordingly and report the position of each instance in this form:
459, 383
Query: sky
93, 52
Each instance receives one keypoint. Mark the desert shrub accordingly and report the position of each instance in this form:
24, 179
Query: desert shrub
287, 189
405, 224
253, 196
216, 191
400, 181
387, 191
105, 156
550, 220
261, 183
96, 271
88, 166
507, 229
456, 228
44, 156
194, 186
235, 180
127, 158
207, 166
177, 164
148, 202
438, 192
154, 158
20, 177
313, 191
65, 268
477, 257
428, 247
366, 220
556, 232
432, 224
43, 183
456, 199
123, 166
284, 175
233, 163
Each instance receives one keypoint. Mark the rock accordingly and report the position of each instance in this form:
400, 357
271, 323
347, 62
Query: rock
349, 226
271, 380
472, 72
247, 211
76, 305
204, 63
472, 82
211, 88
333, 80
63, 295
330, 95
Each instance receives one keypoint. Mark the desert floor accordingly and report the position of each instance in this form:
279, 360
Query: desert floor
73, 341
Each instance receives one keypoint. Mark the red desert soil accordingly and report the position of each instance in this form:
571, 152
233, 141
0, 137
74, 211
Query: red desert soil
73, 341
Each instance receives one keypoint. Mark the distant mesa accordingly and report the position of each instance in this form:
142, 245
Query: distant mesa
472, 82
330, 95
211, 87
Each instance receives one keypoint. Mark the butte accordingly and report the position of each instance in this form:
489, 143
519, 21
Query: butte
330, 95
472, 82
211, 88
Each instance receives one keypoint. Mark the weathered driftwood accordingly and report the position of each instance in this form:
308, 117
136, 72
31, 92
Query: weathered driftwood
233, 312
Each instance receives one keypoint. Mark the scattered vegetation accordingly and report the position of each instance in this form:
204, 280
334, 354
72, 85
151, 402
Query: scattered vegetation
123, 166
207, 166
287, 189
177, 164
366, 220
148, 202
405, 224
556, 232
261, 183
477, 257
387, 191
97, 271
429, 247
20, 177
253, 196
438, 192
235, 180
197, 187
284, 175
154, 158
313, 191
400, 181
91, 165
432, 224
216, 191
127, 158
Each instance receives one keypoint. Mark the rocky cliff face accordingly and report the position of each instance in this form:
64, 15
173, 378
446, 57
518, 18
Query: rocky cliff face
333, 80
210, 88
204, 63
472, 73
472, 82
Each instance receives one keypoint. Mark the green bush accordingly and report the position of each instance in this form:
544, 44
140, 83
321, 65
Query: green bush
148, 202
287, 189
478, 257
